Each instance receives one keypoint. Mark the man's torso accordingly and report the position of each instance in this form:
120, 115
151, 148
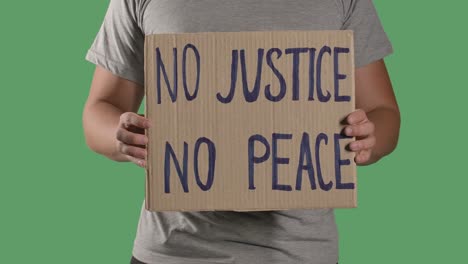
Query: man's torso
290, 236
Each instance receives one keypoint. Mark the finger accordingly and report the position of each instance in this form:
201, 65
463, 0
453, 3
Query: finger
133, 119
130, 138
366, 143
136, 130
139, 162
360, 130
139, 130
132, 151
356, 117
362, 156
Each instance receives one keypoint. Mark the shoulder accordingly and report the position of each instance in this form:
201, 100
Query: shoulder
133, 9
132, 6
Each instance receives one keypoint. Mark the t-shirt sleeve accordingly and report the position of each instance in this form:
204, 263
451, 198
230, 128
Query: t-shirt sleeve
119, 44
371, 43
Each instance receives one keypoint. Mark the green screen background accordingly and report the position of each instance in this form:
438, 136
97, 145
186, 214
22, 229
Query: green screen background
62, 203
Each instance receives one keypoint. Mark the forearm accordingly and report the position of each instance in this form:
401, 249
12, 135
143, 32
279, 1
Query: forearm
387, 127
100, 123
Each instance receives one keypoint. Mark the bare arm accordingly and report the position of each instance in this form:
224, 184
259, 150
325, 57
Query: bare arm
376, 124
109, 116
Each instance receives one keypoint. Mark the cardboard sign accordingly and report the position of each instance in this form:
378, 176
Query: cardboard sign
249, 120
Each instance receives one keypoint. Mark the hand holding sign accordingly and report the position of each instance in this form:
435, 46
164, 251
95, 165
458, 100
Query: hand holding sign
363, 129
130, 136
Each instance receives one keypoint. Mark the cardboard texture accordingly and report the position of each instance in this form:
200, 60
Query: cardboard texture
251, 121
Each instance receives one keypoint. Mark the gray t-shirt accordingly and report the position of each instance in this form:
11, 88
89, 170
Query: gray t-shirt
287, 236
